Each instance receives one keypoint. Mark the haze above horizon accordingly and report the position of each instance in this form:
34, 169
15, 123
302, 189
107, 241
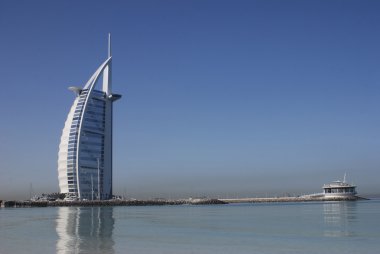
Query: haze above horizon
220, 98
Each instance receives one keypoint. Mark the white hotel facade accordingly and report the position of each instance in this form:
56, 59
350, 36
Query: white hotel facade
85, 150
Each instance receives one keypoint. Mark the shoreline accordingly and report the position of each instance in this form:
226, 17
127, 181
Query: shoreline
89, 203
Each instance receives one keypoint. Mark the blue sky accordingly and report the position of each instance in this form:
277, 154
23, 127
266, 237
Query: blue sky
220, 98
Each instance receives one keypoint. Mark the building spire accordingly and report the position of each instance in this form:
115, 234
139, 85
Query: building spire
109, 45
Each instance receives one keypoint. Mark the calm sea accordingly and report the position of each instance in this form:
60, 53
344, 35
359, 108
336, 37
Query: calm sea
324, 227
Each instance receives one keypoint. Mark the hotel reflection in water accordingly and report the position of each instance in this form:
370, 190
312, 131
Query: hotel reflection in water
85, 229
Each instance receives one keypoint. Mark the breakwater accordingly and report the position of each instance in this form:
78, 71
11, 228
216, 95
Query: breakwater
290, 199
91, 203
206, 201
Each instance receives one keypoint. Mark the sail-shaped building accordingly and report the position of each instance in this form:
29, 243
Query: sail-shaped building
85, 150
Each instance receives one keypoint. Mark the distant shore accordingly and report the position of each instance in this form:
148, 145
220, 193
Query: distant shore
162, 202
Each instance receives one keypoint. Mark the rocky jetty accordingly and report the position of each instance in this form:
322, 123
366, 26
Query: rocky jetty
205, 201
114, 202
291, 199
162, 202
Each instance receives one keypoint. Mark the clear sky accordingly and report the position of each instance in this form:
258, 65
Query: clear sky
220, 98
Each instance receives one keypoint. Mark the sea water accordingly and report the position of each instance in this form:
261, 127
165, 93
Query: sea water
320, 227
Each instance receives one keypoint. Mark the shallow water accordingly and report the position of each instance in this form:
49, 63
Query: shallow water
321, 227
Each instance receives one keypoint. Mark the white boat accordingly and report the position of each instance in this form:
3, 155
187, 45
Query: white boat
339, 189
